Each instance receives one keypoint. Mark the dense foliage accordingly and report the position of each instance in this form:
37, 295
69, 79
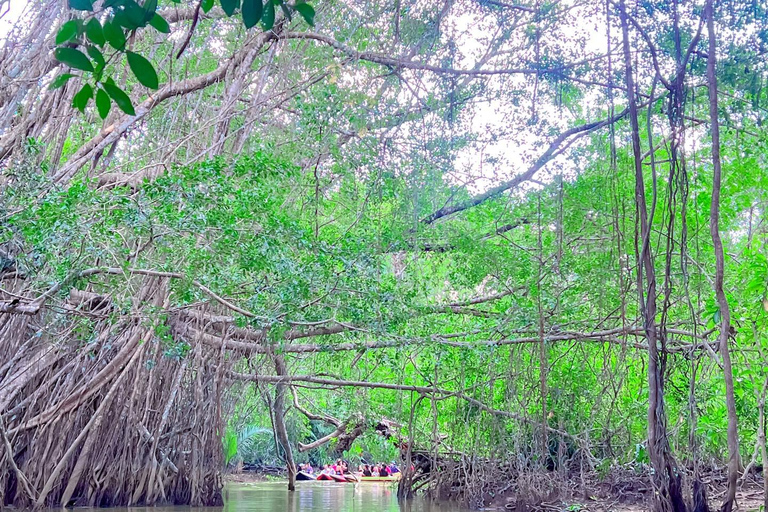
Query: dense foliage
412, 215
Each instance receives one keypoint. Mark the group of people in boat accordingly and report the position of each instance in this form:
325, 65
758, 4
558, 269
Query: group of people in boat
383, 470
341, 468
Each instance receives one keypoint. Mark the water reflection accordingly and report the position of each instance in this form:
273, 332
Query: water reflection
323, 496
308, 497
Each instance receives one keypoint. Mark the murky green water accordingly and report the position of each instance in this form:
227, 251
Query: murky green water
308, 497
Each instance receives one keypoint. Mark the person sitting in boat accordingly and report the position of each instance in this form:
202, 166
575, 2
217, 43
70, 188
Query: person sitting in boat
327, 470
393, 469
383, 471
308, 468
367, 470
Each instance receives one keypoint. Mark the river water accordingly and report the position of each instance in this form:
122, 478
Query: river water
308, 497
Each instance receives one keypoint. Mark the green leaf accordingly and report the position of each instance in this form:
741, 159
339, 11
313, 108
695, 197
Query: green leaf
268, 20
131, 16
80, 100
207, 5
114, 35
252, 10
160, 24
307, 12
94, 32
96, 55
73, 58
60, 80
122, 99
229, 6
143, 70
102, 103
67, 31
150, 8
286, 10
81, 5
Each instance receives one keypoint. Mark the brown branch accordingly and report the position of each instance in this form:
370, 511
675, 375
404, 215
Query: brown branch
317, 417
552, 151
605, 336
438, 393
406, 63
498, 231
113, 132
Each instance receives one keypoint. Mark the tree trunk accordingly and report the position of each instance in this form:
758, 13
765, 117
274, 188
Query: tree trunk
666, 480
722, 301
279, 414
761, 441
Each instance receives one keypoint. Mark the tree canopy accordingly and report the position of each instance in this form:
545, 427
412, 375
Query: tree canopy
523, 237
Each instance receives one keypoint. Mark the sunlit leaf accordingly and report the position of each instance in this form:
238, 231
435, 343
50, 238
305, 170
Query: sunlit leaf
143, 70
122, 99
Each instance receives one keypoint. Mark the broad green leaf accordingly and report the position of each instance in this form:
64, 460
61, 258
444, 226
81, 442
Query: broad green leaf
81, 5
60, 80
206, 5
160, 24
131, 16
102, 103
96, 55
114, 35
307, 12
67, 31
286, 10
80, 100
122, 99
252, 10
94, 32
229, 6
143, 70
268, 20
73, 58
150, 8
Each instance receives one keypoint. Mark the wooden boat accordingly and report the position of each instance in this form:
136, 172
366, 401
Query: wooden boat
322, 477
301, 475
